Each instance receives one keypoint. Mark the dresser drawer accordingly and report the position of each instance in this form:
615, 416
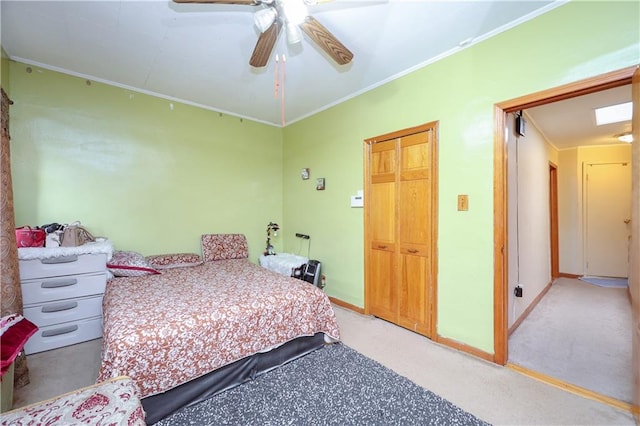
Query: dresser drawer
55, 336
64, 311
58, 288
63, 265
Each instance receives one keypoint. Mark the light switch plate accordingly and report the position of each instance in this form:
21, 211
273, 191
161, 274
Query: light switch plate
463, 202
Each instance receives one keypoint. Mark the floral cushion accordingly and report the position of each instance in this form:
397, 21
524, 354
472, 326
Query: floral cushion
224, 246
129, 264
113, 402
176, 260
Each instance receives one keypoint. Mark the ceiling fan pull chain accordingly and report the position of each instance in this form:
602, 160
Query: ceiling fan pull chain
284, 64
276, 82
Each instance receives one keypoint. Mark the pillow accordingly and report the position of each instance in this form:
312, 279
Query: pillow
224, 246
129, 264
175, 260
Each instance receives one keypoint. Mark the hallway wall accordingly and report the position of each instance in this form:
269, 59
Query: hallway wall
529, 235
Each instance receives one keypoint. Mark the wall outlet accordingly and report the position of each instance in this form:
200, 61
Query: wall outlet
517, 291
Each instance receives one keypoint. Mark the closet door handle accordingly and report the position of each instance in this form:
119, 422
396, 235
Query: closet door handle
59, 307
58, 331
59, 283
60, 259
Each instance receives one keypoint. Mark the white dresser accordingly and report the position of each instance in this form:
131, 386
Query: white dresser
63, 296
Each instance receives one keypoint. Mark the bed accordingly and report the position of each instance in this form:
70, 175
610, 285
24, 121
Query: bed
188, 333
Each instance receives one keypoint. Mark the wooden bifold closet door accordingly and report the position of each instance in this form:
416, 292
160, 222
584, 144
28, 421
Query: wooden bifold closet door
400, 227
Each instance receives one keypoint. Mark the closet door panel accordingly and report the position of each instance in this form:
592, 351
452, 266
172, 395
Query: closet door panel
415, 156
382, 215
414, 304
383, 162
413, 217
382, 294
414, 233
399, 228
382, 289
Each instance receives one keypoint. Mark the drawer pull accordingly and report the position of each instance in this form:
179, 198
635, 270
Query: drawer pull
58, 331
59, 283
413, 251
59, 307
382, 247
60, 259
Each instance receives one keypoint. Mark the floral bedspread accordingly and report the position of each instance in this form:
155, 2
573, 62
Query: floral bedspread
114, 402
164, 330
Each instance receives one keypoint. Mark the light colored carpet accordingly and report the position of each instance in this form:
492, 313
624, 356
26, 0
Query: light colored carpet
59, 371
581, 334
493, 393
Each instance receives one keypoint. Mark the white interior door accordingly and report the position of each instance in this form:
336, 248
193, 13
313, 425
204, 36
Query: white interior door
607, 217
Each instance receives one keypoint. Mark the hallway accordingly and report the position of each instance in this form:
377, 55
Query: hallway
581, 334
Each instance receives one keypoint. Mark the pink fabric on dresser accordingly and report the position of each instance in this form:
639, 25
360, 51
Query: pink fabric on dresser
224, 246
114, 402
15, 330
164, 330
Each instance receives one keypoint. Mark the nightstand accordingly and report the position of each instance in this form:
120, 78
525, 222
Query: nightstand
63, 297
282, 263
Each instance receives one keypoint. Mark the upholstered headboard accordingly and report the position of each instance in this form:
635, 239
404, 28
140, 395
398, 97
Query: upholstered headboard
224, 246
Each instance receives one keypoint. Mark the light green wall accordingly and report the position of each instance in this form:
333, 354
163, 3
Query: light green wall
4, 71
154, 178
130, 167
572, 42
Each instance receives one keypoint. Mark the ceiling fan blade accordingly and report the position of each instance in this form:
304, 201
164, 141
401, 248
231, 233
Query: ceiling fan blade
264, 46
247, 2
326, 40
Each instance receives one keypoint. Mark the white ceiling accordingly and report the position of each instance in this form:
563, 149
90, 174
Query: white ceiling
571, 123
200, 54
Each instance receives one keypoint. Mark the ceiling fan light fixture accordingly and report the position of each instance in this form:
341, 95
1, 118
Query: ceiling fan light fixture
264, 18
625, 137
294, 35
295, 11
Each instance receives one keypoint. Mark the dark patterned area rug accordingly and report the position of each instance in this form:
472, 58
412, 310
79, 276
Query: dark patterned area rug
334, 385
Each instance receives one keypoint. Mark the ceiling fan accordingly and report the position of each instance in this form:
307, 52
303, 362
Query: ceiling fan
273, 15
